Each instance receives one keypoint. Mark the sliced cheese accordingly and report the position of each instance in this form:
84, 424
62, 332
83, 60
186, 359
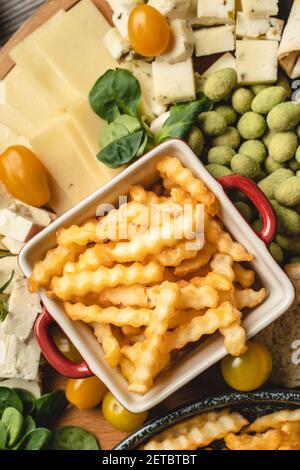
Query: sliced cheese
173, 83
260, 8
16, 121
253, 28
256, 61
29, 385
8, 137
214, 40
182, 43
22, 95
212, 12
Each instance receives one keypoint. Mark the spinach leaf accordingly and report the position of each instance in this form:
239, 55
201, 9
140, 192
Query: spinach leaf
121, 127
49, 406
28, 426
116, 92
6, 284
182, 118
9, 397
74, 438
27, 399
13, 421
121, 151
3, 436
38, 439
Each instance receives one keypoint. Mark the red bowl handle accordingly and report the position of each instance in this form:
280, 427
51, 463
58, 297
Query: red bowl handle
55, 358
257, 197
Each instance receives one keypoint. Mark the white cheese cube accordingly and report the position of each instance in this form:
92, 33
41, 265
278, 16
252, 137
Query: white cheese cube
29, 385
263, 28
116, 45
38, 216
260, 8
23, 308
212, 12
182, 44
214, 40
122, 10
227, 60
143, 73
14, 246
173, 83
172, 9
17, 227
7, 266
256, 61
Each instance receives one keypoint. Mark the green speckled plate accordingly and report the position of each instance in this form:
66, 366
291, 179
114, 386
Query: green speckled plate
251, 405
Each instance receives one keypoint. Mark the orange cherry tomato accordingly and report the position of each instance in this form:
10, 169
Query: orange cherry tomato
119, 417
24, 176
85, 394
149, 32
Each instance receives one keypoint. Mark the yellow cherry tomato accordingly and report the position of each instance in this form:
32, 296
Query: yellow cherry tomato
64, 345
24, 176
149, 32
249, 371
119, 417
85, 394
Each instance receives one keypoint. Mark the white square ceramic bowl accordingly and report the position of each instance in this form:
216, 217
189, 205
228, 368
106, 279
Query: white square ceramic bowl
280, 289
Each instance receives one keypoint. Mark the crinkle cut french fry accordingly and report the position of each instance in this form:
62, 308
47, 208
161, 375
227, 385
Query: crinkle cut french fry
125, 316
109, 344
180, 196
201, 434
139, 194
172, 257
245, 277
128, 330
235, 339
91, 259
218, 281
274, 420
191, 297
222, 264
193, 265
133, 352
52, 265
291, 440
81, 235
171, 169
86, 282
150, 350
269, 441
207, 324
249, 298
131, 296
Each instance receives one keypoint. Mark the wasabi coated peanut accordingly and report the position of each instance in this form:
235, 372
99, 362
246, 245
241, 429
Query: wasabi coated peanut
269, 184
230, 137
289, 244
262, 175
221, 155
245, 211
241, 100
276, 252
245, 166
297, 154
258, 88
283, 81
227, 112
288, 192
271, 166
267, 99
294, 165
298, 131
212, 123
254, 149
196, 141
298, 174
284, 117
267, 137
217, 171
220, 84
251, 126
288, 219
283, 146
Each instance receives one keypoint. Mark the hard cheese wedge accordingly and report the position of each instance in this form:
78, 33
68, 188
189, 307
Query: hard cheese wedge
256, 61
8, 138
16, 121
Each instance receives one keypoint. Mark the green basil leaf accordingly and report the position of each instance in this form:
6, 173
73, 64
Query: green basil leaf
27, 399
74, 438
182, 118
13, 421
122, 126
37, 439
143, 146
9, 397
121, 151
6, 284
116, 92
3, 436
50, 406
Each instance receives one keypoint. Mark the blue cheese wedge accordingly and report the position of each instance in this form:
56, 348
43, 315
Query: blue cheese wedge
182, 44
213, 12
254, 28
214, 40
256, 61
116, 44
173, 83
23, 308
260, 8
172, 9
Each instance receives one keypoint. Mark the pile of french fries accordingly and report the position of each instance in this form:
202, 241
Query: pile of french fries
277, 431
149, 282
